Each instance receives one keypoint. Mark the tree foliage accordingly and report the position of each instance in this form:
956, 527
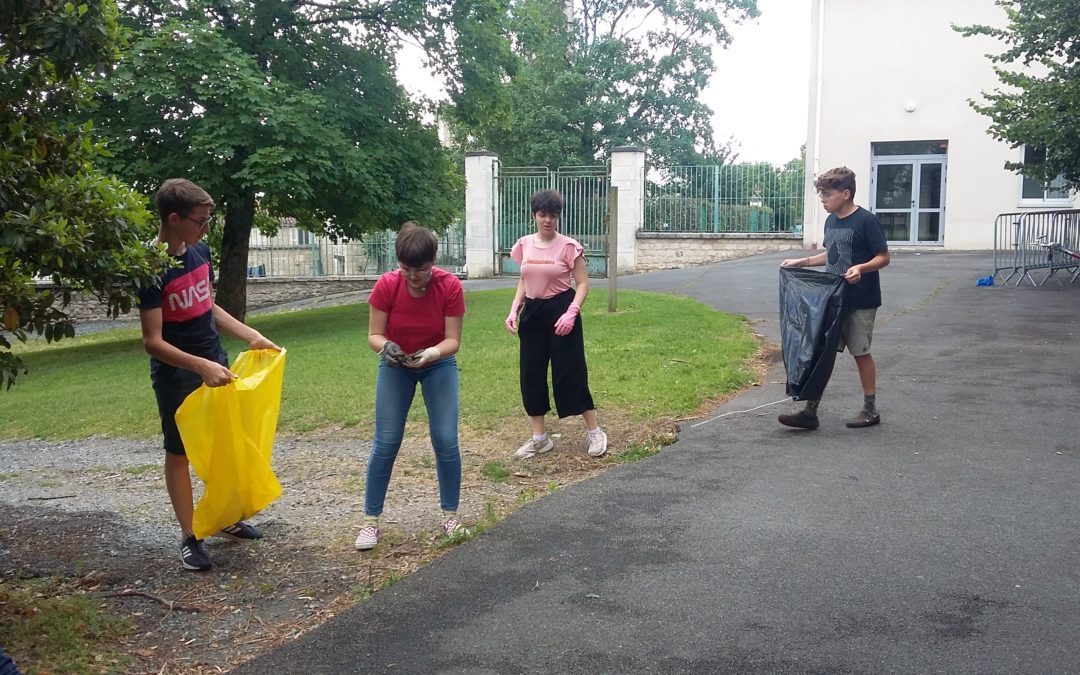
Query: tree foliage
1039, 104
291, 108
546, 81
61, 220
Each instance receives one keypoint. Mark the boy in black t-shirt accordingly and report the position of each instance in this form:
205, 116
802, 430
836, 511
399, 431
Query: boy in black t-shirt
180, 323
854, 247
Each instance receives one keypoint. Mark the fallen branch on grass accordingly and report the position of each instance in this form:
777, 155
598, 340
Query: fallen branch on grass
42, 499
169, 604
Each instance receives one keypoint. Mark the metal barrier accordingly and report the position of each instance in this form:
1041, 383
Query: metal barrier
294, 253
1030, 241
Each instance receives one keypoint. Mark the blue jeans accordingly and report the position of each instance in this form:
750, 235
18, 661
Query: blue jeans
394, 391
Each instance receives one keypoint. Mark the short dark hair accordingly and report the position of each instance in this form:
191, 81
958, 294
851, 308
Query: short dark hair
841, 178
416, 246
547, 201
179, 195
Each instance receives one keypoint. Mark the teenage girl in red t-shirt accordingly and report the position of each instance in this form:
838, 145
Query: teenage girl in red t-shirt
415, 326
545, 315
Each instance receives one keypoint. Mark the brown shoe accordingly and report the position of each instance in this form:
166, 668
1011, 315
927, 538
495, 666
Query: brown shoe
804, 419
864, 419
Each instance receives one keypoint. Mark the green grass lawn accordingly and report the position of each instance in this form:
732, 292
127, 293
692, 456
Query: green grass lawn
70, 633
659, 355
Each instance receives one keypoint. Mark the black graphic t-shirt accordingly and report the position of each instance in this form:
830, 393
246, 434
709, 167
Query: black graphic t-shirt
853, 241
187, 307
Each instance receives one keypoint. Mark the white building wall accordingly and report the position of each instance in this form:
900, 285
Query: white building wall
877, 59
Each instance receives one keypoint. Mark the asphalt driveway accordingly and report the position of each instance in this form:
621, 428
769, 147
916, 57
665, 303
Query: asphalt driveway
947, 539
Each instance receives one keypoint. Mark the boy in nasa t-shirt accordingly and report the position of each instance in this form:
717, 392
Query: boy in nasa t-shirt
180, 323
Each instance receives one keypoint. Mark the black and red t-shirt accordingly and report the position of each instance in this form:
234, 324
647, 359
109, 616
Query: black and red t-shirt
186, 299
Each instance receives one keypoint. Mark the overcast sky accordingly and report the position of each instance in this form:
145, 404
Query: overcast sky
760, 90
758, 93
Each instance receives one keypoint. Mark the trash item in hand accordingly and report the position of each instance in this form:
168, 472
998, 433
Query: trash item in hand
393, 354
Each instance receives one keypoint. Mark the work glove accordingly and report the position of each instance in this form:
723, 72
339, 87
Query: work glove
423, 357
565, 324
512, 317
392, 354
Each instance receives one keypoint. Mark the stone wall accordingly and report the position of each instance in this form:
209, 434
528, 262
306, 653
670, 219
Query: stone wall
675, 250
260, 293
267, 292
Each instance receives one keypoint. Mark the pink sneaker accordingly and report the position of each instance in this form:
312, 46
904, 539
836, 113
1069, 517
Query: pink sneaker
368, 538
453, 528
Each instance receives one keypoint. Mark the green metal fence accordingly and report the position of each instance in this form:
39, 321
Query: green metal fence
585, 189
513, 219
294, 253
724, 198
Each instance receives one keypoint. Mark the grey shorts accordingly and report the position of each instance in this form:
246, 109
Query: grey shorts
857, 331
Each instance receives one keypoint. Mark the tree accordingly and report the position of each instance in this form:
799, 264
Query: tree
291, 108
1039, 105
61, 220
564, 82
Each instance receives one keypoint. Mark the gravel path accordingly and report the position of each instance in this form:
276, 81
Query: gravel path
93, 515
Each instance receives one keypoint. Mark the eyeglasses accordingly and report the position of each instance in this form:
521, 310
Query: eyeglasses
201, 223
416, 271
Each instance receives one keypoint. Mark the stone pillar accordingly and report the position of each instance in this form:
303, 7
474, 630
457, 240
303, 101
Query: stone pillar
628, 175
481, 172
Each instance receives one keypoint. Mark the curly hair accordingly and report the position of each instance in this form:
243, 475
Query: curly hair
841, 178
547, 201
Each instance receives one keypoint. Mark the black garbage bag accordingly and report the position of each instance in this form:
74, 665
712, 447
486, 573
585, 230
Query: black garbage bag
7, 666
812, 305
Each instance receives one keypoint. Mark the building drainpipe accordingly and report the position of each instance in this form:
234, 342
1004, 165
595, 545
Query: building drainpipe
818, 22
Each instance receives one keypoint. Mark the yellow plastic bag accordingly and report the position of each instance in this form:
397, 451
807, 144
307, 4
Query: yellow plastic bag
228, 433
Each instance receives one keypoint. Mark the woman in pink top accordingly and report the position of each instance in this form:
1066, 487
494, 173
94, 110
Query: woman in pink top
545, 316
414, 324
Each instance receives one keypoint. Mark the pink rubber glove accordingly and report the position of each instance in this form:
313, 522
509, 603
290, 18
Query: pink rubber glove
512, 318
565, 324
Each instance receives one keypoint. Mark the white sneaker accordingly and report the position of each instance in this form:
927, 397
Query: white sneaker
532, 448
368, 538
597, 443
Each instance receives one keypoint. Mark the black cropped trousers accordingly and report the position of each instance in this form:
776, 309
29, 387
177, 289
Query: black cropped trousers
539, 346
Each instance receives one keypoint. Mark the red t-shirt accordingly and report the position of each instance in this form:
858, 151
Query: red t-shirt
417, 323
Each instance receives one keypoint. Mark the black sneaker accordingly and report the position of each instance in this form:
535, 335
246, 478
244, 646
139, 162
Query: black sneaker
864, 418
804, 419
241, 532
193, 556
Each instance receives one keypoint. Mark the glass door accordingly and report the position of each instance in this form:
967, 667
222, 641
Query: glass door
908, 198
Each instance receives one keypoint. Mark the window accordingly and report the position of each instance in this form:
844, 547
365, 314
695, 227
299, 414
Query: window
897, 148
303, 237
1037, 193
